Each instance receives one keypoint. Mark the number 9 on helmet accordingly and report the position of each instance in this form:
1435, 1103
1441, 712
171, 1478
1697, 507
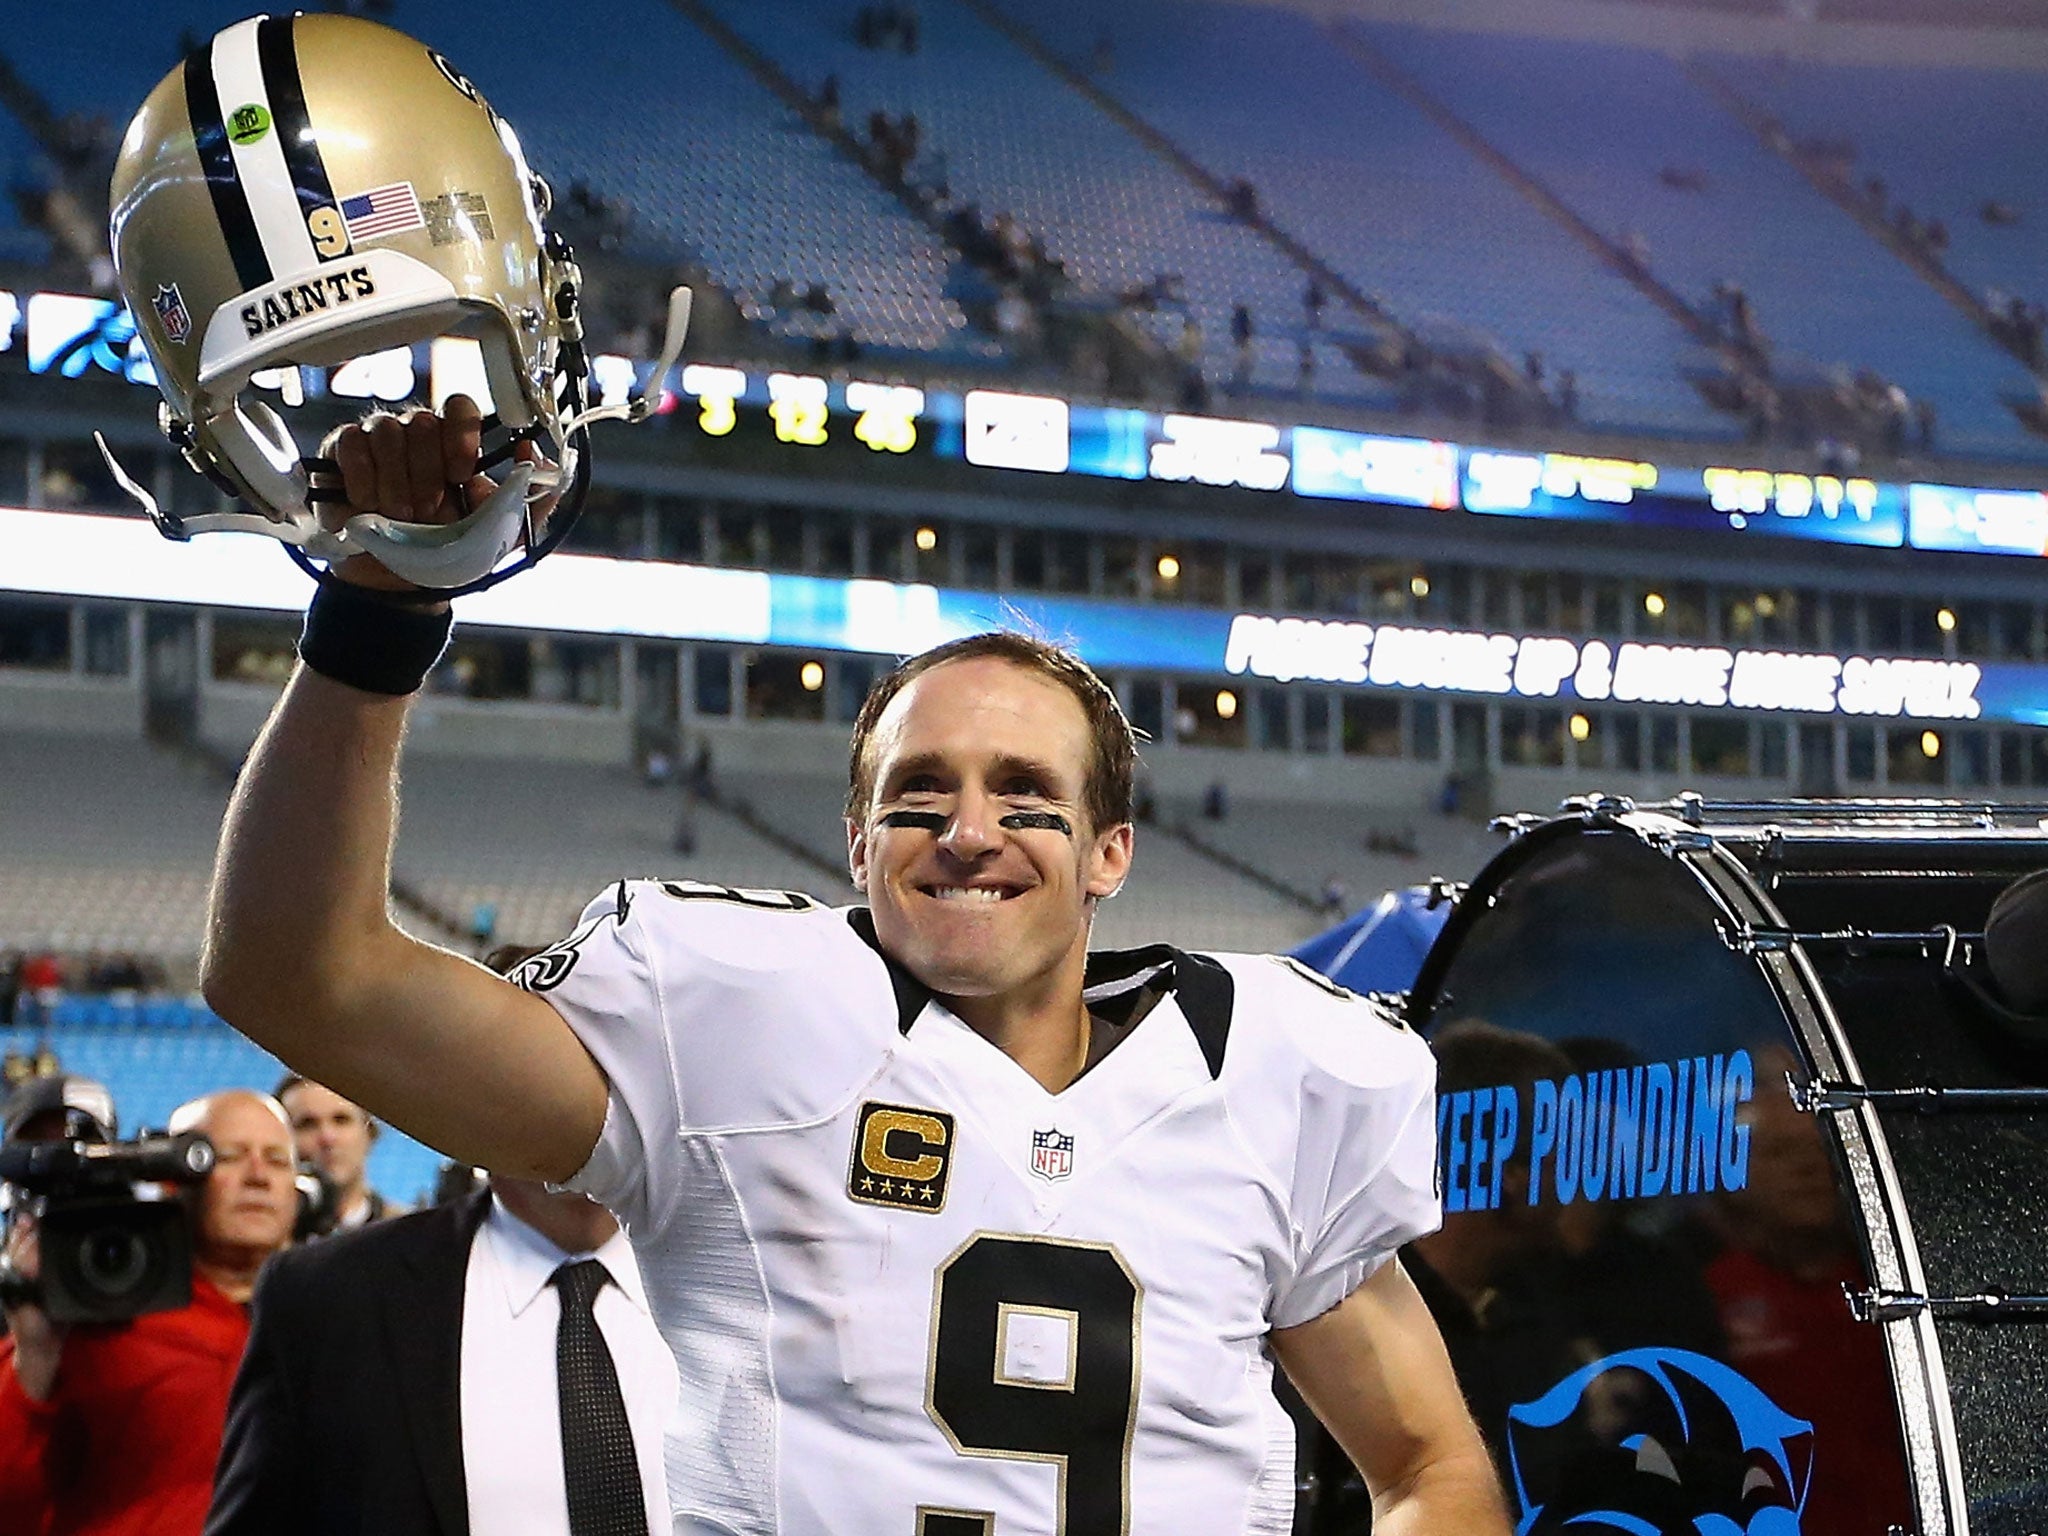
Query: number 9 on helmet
304, 190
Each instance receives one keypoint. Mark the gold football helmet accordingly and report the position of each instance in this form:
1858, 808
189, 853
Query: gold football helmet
303, 190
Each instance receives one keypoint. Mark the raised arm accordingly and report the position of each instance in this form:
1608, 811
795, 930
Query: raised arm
1374, 1370
302, 955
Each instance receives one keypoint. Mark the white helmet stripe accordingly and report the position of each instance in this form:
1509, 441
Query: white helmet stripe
258, 146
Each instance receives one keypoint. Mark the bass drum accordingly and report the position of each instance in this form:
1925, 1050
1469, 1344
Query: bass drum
1725, 1250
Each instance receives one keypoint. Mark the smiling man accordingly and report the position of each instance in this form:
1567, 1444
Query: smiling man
952, 1226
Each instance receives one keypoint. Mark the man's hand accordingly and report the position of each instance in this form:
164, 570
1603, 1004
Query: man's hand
417, 467
38, 1342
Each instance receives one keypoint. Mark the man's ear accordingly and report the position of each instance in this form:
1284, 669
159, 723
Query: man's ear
857, 854
1110, 861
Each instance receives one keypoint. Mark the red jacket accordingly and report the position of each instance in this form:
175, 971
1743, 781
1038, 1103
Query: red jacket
126, 1444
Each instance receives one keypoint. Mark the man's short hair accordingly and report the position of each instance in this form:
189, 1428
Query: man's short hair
1107, 793
293, 1080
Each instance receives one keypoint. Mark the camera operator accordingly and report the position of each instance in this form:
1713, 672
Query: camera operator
112, 1429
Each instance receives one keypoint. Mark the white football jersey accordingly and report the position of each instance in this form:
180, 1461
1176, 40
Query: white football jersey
909, 1290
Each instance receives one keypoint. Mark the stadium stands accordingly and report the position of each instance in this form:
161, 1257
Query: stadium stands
1117, 213
1901, 124
105, 846
1380, 192
23, 170
539, 840
1601, 126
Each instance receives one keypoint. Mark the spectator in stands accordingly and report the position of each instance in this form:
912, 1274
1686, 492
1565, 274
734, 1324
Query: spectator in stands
1242, 199
1241, 344
1568, 394
1216, 801
1997, 212
1313, 302
336, 1136
464, 1313
42, 973
115, 1427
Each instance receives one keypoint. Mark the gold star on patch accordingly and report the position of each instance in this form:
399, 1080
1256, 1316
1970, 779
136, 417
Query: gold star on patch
888, 1188
867, 1184
925, 1194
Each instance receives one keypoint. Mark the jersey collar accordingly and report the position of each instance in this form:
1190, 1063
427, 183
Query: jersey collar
1112, 983
1206, 992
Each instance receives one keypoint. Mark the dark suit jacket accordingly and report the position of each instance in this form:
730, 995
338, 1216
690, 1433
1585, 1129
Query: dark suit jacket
346, 1414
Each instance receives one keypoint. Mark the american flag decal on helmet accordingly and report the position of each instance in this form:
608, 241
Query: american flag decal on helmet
387, 210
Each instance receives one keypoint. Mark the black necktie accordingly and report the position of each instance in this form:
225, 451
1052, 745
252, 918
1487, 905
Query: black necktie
598, 1465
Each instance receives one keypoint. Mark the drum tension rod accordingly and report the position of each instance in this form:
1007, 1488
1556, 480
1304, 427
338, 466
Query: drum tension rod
1875, 1305
1766, 938
1823, 1096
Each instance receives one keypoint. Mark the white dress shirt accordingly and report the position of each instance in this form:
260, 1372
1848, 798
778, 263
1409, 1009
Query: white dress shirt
511, 1424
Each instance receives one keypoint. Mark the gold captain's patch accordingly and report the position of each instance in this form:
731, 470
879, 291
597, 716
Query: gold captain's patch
901, 1156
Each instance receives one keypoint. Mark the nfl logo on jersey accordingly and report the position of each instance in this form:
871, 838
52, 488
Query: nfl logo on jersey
1052, 1155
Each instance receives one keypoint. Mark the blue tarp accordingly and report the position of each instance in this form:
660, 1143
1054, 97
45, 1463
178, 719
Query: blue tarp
1379, 948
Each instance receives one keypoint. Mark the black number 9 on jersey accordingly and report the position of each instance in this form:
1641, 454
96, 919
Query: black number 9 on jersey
1035, 1358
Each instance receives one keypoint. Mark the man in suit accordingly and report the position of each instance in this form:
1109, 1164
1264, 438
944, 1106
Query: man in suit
410, 1377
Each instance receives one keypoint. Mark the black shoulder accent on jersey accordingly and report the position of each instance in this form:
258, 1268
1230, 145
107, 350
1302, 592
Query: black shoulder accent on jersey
1207, 992
622, 901
911, 994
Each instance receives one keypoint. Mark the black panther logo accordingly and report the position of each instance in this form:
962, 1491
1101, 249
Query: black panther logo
1658, 1442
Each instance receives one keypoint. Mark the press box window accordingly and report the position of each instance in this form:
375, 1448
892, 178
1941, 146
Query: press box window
36, 635
106, 642
1720, 746
711, 674
249, 650
1532, 738
1372, 725
776, 687
482, 667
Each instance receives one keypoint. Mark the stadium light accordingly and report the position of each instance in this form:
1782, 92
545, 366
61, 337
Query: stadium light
1945, 621
1930, 743
1653, 604
1582, 728
927, 540
1169, 568
1226, 704
812, 676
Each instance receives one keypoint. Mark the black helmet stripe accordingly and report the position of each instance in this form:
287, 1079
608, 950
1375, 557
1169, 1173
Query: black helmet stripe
217, 160
276, 48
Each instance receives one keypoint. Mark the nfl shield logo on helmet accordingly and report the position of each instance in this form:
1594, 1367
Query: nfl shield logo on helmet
1052, 1154
169, 305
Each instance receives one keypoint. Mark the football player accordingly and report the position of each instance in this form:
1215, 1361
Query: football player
953, 1227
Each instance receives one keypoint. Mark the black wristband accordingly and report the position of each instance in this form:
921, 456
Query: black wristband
355, 637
